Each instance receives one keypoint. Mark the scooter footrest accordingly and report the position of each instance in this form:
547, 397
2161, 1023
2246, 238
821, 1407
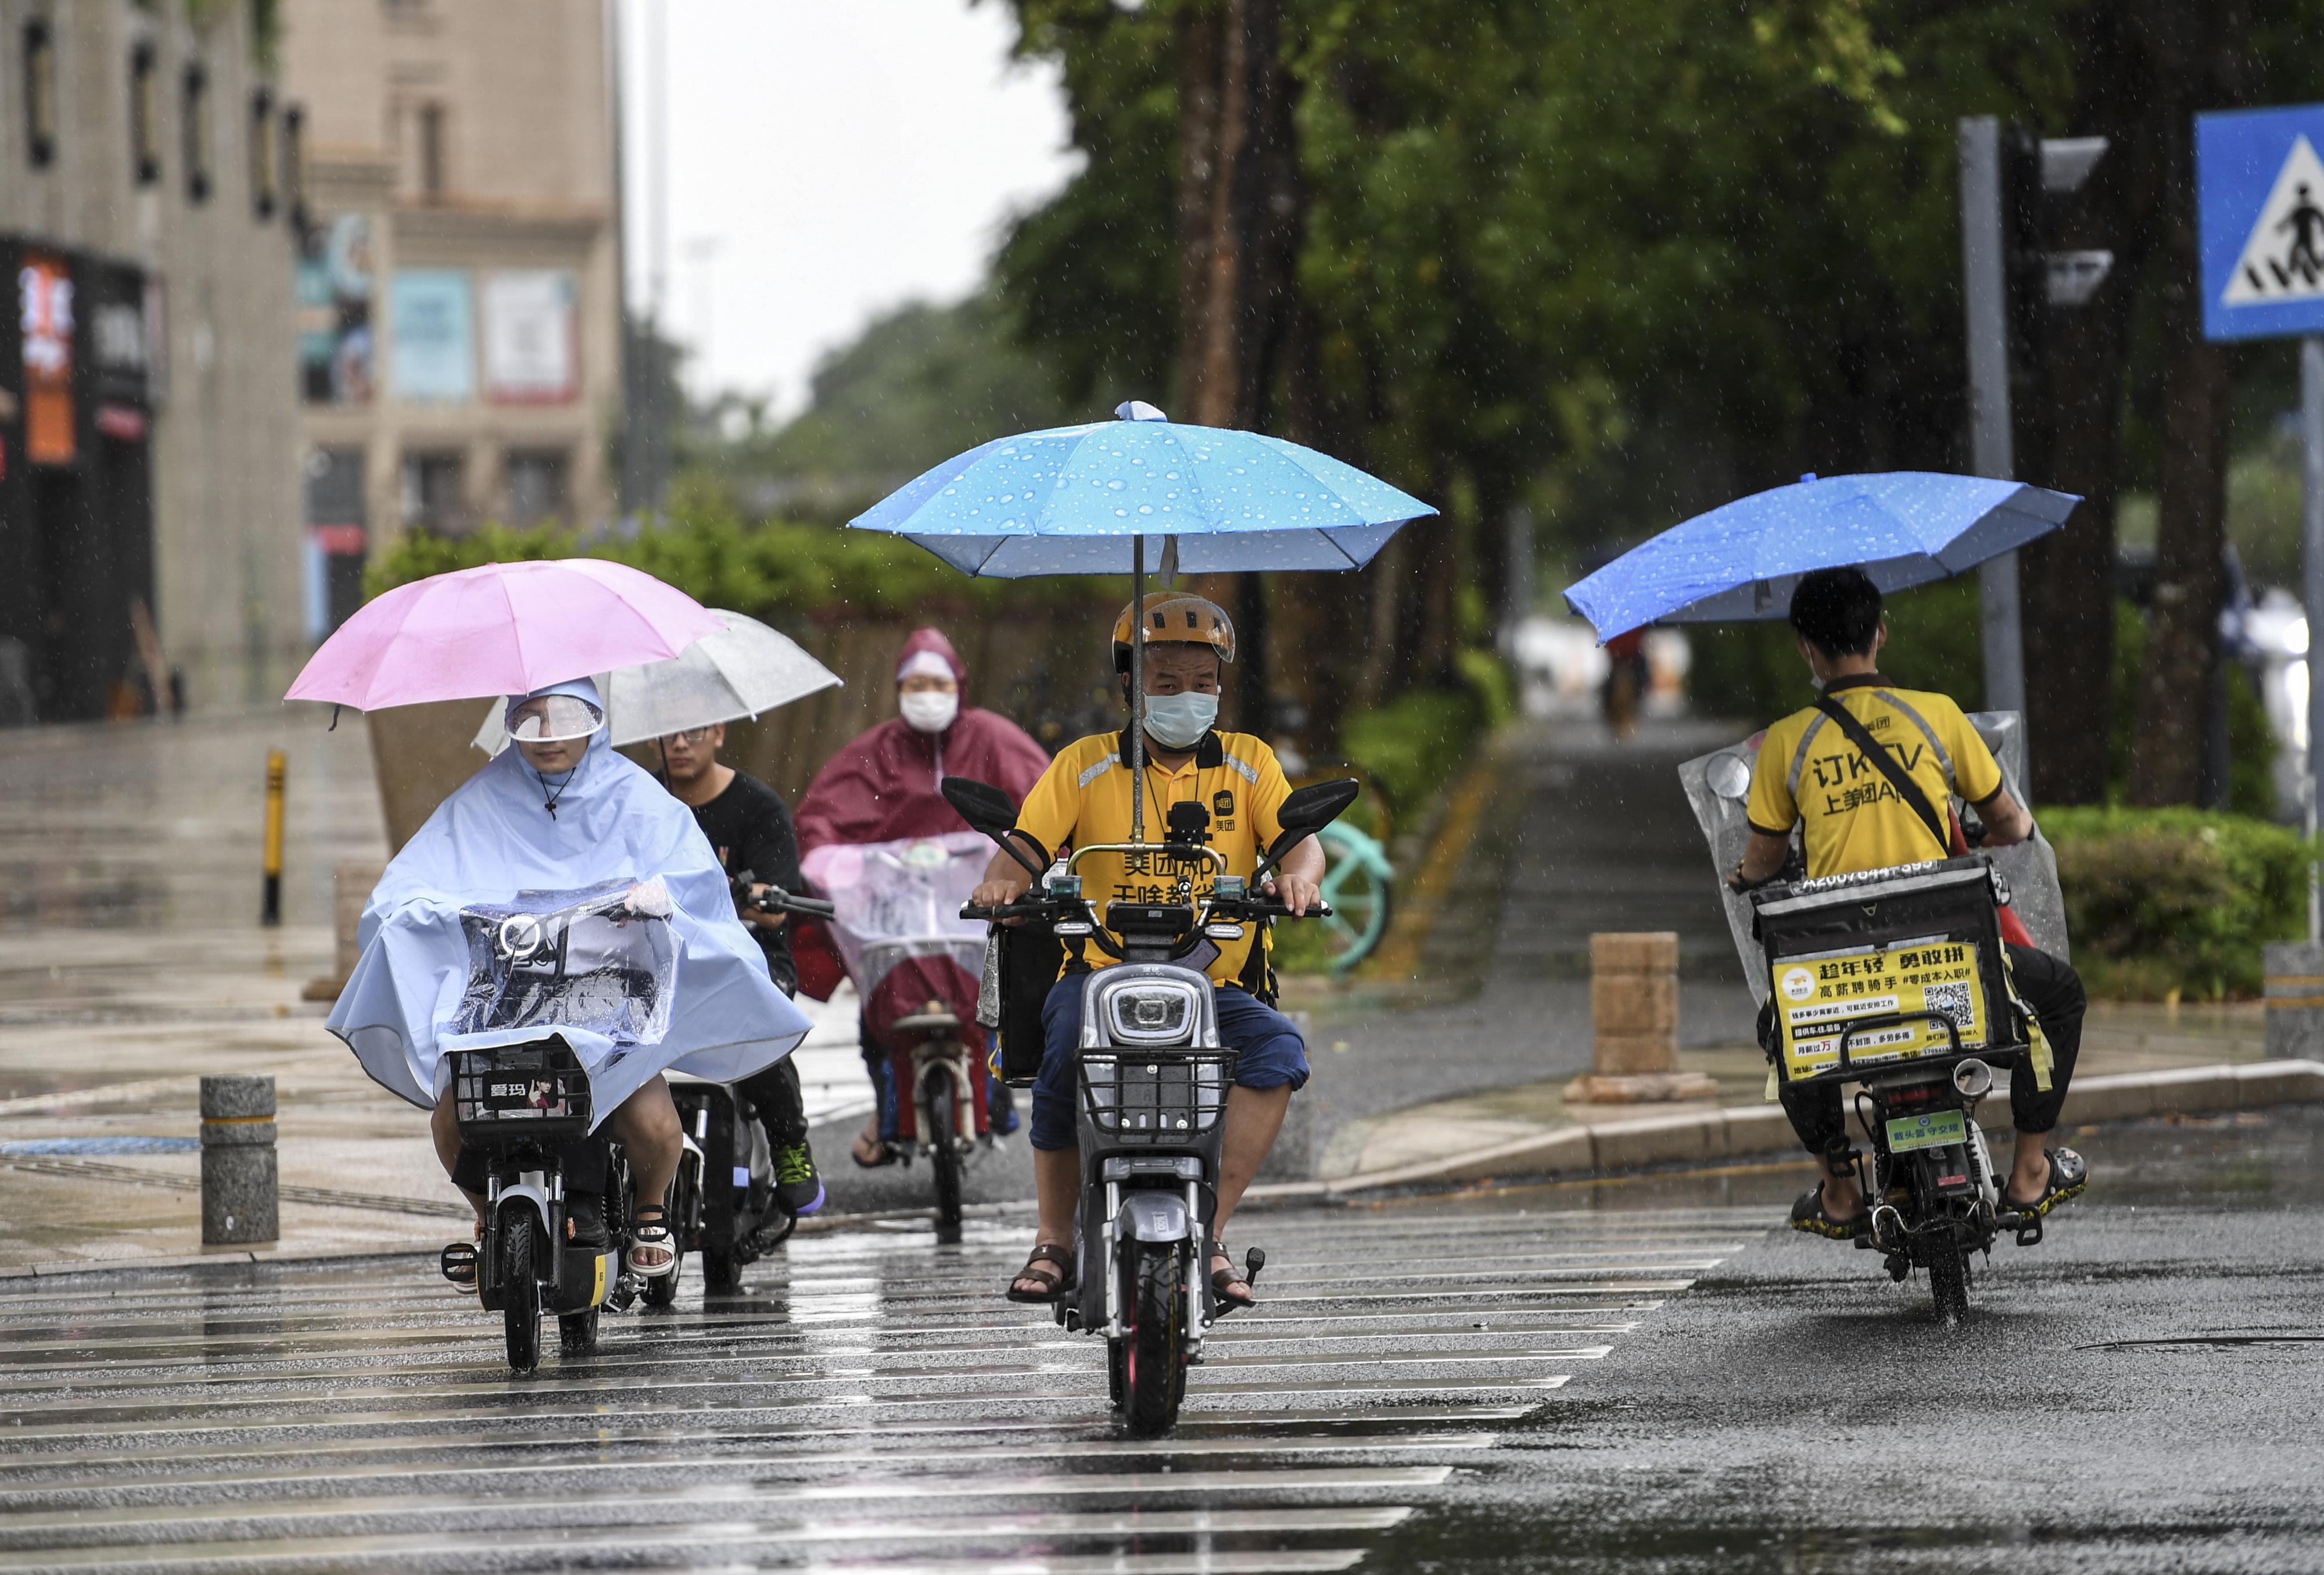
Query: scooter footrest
458, 1263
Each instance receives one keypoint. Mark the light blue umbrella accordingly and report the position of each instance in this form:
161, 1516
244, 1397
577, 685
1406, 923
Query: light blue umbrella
1741, 560
1088, 499
1081, 500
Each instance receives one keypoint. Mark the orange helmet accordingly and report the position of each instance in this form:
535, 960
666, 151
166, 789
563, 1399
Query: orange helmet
1176, 617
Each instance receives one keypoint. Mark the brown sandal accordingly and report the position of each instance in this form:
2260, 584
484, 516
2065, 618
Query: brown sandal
1230, 1275
1056, 1283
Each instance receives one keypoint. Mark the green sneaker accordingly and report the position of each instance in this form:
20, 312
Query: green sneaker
798, 1187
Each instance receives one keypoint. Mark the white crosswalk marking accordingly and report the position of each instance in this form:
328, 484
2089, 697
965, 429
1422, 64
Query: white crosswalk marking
868, 1403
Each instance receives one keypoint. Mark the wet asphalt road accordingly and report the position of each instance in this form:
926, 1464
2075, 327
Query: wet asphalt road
2143, 1392
1616, 1376
869, 1403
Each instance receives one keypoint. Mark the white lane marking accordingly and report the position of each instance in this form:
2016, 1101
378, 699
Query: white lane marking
53, 1495
360, 1551
1338, 1421
711, 1500
1430, 1359
1195, 1381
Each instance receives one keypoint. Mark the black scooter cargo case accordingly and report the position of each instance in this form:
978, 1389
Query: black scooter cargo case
1887, 966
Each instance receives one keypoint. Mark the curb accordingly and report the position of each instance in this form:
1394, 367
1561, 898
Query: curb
1739, 1131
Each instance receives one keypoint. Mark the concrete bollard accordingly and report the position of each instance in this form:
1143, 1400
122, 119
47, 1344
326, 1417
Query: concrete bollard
1633, 1017
238, 1168
2295, 1000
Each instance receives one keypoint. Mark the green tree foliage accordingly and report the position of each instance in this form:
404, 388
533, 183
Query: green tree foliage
2159, 900
772, 570
917, 386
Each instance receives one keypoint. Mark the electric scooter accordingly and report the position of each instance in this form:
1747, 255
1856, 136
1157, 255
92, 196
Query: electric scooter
1152, 1080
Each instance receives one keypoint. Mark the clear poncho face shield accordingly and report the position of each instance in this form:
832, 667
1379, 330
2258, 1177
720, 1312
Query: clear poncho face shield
552, 719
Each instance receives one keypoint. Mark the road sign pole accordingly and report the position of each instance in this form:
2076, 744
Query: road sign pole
1985, 292
2311, 433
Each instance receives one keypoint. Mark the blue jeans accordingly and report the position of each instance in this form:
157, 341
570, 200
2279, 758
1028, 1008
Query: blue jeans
1271, 1053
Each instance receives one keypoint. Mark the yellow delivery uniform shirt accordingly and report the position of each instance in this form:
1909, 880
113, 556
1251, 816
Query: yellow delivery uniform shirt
1082, 800
1810, 776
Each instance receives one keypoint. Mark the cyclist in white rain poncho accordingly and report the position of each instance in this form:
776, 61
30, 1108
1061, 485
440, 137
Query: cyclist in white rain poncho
561, 889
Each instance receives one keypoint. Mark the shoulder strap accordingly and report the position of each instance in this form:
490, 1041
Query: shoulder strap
1888, 766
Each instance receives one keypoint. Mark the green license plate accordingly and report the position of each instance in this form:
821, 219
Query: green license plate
1933, 1130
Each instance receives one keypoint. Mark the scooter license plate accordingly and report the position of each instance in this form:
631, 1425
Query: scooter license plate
1933, 1130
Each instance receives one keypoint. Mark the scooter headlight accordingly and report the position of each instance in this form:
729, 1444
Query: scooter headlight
1152, 1014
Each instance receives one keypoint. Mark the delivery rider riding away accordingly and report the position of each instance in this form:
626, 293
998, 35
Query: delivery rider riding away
1852, 819
1083, 800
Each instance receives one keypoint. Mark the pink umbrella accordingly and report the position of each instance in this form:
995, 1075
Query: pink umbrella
501, 629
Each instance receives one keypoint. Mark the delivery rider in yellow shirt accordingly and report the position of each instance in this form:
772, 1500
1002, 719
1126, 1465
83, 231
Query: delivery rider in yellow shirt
1851, 819
1084, 800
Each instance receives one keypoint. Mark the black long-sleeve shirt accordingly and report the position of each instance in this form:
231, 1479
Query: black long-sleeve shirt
750, 828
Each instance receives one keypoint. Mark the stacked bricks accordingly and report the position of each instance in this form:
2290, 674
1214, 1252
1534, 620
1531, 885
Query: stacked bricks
1634, 1012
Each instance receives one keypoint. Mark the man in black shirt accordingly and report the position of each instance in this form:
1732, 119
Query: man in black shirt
750, 828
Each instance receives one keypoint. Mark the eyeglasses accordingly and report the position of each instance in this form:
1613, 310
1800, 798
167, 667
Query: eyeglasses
691, 736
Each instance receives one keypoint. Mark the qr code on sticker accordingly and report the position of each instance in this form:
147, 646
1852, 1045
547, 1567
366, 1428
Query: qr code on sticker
1953, 1000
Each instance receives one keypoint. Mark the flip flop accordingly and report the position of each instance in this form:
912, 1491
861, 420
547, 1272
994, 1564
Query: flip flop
1808, 1216
2069, 1172
1056, 1284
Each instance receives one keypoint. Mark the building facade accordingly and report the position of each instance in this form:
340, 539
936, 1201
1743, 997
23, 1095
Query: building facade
460, 300
150, 547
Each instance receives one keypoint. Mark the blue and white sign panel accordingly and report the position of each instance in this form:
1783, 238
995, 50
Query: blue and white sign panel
2260, 191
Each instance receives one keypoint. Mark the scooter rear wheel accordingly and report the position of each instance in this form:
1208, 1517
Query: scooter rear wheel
1154, 1353
721, 1275
1948, 1282
520, 1284
936, 1112
577, 1334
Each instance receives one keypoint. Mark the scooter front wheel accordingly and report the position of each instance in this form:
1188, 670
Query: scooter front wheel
1154, 1354
937, 1114
520, 1285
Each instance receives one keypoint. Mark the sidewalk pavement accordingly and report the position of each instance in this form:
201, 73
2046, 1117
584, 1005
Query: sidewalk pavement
2136, 1060
131, 962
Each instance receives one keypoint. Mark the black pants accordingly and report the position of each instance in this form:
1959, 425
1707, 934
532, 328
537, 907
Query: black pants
2048, 985
781, 1106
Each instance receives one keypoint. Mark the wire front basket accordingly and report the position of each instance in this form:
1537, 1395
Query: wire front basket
1158, 1099
520, 1093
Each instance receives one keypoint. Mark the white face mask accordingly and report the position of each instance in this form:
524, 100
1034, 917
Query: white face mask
1178, 721
928, 710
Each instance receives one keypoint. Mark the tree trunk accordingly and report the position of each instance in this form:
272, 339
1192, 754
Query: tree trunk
2199, 48
1238, 213
2073, 426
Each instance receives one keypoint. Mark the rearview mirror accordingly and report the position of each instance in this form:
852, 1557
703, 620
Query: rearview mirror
987, 809
1307, 811
1728, 776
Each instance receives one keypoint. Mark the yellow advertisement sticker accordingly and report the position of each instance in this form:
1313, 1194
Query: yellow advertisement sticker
1819, 999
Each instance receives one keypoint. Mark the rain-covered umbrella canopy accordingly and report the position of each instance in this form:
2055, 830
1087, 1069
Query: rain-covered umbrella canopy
1074, 500
744, 670
1087, 500
1741, 560
499, 629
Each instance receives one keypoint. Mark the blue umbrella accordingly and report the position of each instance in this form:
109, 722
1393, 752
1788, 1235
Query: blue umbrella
1081, 500
1084, 500
1741, 560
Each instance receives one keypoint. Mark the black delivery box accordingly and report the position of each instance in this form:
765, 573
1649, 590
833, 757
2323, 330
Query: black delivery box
1891, 965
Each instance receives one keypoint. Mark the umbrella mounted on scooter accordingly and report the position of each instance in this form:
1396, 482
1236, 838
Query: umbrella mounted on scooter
1086, 499
1740, 561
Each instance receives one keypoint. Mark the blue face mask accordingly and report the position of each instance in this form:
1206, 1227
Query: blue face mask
1178, 721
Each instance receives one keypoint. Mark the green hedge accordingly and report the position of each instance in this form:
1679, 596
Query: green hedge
2164, 900
767, 570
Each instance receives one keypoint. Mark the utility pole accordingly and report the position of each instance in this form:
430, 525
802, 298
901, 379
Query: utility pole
2311, 522
2009, 182
1985, 290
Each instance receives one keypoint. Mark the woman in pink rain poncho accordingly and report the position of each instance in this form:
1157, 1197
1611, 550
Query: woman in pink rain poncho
883, 788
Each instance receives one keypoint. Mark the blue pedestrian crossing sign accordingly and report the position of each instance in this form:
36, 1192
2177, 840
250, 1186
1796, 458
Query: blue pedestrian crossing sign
2260, 194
